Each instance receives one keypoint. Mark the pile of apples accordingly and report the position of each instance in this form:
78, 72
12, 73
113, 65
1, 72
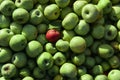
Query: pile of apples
59, 39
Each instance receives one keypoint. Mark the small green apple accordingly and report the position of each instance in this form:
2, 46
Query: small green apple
34, 48
58, 77
68, 70
26, 4
42, 39
23, 72
94, 46
105, 65
31, 63
70, 21
45, 61
28, 78
41, 7
87, 77
118, 25
52, 12
29, 31
59, 58
62, 3
20, 15
114, 74
101, 77
18, 42
53, 71
89, 40
97, 70
42, 28
7, 7
81, 70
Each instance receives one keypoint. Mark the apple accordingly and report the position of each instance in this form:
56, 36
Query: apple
118, 36
105, 50
114, 74
118, 24
28, 78
41, 7
38, 73
42, 39
26, 4
78, 44
97, 70
19, 59
62, 45
52, 12
81, 71
30, 31
45, 61
4, 21
68, 70
78, 5
89, 40
31, 64
87, 77
53, 71
5, 36
23, 72
5, 54
62, 3
49, 47
43, 1
70, 21
18, 42
16, 28
7, 7
33, 48
101, 77
3, 78
36, 16
52, 35
8, 70
90, 13
82, 28
58, 77
59, 58
20, 15
110, 32
42, 28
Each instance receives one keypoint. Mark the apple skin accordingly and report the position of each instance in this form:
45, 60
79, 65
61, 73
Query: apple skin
68, 70
42, 39
7, 7
101, 77
8, 70
18, 42
30, 32
78, 5
59, 58
28, 78
89, 40
62, 3
19, 59
42, 28
4, 21
52, 35
87, 76
24, 72
114, 74
45, 61
97, 70
5, 54
90, 13
70, 21
34, 48
53, 71
52, 12
26, 4
5, 36
58, 77
77, 44
20, 15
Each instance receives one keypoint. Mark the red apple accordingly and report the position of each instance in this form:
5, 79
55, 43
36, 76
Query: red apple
52, 35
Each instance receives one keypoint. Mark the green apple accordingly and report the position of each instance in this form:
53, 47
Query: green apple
18, 42
53, 71
118, 25
28, 78
65, 11
78, 5
78, 44
62, 45
90, 13
86, 77
49, 47
5, 54
42, 39
23, 72
98, 59
81, 71
34, 48
105, 50
8, 70
26, 4
43, 1
16, 28
118, 36
52, 12
42, 28
94, 46
101, 77
59, 58
4, 21
70, 21
41, 7
38, 73
20, 15
97, 70
7, 7
89, 40
105, 6
45, 61
30, 32
62, 3
98, 31
58, 77
110, 32
114, 74
36, 16
5, 36
68, 70
68, 35
78, 59
105, 65
31, 63
19, 59
99, 21
82, 28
